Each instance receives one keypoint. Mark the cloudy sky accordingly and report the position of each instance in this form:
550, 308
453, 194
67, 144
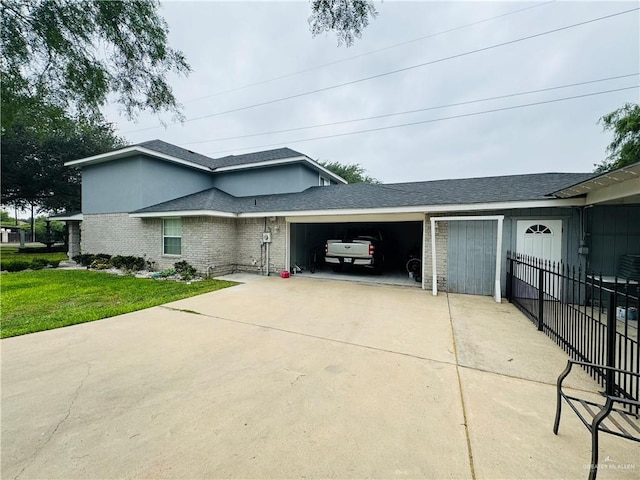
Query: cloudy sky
238, 51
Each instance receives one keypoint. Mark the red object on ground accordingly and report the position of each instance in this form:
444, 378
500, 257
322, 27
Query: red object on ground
284, 274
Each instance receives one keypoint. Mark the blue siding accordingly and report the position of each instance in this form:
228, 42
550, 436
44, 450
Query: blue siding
570, 229
571, 236
128, 184
268, 180
612, 231
471, 263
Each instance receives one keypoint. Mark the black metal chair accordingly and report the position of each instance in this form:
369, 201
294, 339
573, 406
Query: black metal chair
617, 415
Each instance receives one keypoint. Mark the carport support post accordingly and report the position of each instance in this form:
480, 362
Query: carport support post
287, 245
434, 287
498, 259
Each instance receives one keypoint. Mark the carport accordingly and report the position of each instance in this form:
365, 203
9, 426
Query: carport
402, 236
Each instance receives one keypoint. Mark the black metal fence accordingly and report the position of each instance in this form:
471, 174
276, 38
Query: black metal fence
592, 317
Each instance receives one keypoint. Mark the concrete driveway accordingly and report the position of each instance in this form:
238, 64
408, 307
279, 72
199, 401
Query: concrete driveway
297, 378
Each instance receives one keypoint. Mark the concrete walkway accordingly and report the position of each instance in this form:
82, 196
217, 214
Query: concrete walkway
296, 378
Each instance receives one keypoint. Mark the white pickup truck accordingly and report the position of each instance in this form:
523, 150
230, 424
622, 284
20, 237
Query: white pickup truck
357, 248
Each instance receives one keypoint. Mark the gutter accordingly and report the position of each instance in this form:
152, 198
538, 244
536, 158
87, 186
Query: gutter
423, 209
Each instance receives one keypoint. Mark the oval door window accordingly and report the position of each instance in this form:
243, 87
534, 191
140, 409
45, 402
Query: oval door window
538, 229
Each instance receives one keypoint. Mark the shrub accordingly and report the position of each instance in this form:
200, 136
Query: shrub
185, 270
118, 262
38, 263
54, 263
16, 266
84, 259
151, 265
128, 263
102, 257
88, 259
98, 264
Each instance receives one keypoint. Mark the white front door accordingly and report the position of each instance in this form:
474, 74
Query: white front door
540, 238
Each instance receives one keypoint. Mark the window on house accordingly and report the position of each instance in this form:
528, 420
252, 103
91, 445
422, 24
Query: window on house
324, 181
538, 230
172, 236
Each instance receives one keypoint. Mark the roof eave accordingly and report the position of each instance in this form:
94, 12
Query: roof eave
67, 218
132, 151
422, 209
601, 181
183, 213
426, 209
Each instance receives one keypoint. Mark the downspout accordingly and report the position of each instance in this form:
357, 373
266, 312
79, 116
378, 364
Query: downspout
266, 270
583, 250
267, 266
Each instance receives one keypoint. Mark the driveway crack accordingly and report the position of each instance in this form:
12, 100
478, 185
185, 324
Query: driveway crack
298, 378
464, 409
327, 339
57, 427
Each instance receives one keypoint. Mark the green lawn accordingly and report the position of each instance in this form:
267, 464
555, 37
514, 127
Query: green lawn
11, 255
46, 299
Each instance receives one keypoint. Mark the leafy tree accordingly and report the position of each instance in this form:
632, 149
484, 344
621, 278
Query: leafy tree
625, 147
4, 217
75, 54
352, 173
34, 150
347, 18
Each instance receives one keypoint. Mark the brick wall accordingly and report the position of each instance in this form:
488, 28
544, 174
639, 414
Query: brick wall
213, 245
208, 243
251, 254
441, 254
219, 245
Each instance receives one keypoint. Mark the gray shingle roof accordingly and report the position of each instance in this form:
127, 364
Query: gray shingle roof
361, 196
508, 188
255, 157
230, 160
178, 152
211, 199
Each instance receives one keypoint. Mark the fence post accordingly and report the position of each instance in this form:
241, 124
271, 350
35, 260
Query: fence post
509, 276
611, 343
540, 298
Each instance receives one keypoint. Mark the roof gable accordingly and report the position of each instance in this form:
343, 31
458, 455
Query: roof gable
172, 153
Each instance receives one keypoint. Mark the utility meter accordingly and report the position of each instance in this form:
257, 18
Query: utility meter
266, 237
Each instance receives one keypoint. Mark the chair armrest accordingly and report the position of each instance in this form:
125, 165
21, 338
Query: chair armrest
604, 367
626, 401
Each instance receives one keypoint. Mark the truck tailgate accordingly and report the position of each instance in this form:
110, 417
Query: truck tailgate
357, 248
